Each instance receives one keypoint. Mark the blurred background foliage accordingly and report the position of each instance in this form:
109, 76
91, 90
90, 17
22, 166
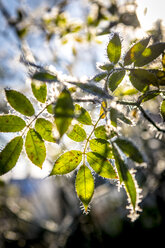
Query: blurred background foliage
44, 212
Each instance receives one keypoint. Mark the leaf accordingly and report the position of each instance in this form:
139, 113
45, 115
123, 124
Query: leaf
101, 165
148, 96
67, 162
44, 76
99, 76
19, 102
10, 154
102, 109
150, 53
77, 134
115, 79
126, 177
141, 79
130, 149
162, 109
114, 49
102, 147
93, 89
100, 132
83, 115
45, 128
39, 90
115, 115
50, 109
64, 111
163, 61
135, 51
84, 185
11, 123
35, 147
106, 67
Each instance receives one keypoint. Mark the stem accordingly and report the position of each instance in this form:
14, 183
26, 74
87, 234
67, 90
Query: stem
87, 140
35, 117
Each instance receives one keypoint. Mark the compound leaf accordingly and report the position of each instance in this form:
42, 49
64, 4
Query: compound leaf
77, 134
84, 185
83, 115
19, 102
35, 147
39, 90
45, 128
102, 147
10, 154
135, 51
115, 79
64, 111
150, 53
114, 49
101, 165
11, 123
67, 162
130, 149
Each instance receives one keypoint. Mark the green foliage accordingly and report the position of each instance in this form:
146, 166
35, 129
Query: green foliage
129, 148
45, 128
35, 148
10, 154
77, 133
114, 49
67, 162
82, 115
11, 123
115, 79
19, 102
101, 165
39, 91
84, 185
104, 148
135, 51
64, 111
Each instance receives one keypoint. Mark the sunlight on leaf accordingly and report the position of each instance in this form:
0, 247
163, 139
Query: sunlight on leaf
11, 123
114, 49
77, 133
45, 128
39, 90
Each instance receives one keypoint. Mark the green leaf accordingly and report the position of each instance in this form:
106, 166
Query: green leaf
11, 123
50, 109
114, 49
77, 134
162, 109
150, 53
39, 90
84, 185
115, 115
10, 154
148, 96
93, 89
135, 51
35, 148
115, 79
102, 147
64, 111
19, 102
100, 76
83, 115
67, 162
45, 128
163, 61
141, 79
100, 132
101, 165
44, 76
106, 67
126, 178
130, 149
